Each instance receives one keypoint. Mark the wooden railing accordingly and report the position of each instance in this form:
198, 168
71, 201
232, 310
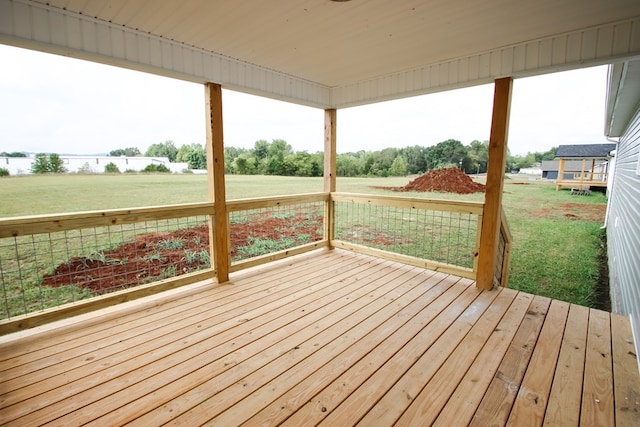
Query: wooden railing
272, 219
72, 252
440, 235
503, 256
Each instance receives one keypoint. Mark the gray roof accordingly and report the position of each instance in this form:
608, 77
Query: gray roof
585, 151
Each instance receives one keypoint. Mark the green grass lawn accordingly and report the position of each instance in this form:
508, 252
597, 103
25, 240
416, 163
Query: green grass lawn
555, 243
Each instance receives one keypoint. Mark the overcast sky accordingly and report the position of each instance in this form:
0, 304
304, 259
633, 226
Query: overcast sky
50, 103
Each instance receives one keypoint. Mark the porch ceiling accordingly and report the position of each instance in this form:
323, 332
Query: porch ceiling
327, 53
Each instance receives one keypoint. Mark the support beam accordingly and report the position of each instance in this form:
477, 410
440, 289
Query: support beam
495, 180
560, 177
330, 117
219, 226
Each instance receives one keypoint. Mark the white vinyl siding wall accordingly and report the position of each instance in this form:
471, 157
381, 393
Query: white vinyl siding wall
623, 228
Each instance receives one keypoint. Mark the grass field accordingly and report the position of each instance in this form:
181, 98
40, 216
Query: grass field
557, 237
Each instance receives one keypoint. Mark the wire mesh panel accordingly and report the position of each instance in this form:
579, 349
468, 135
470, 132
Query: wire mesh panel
44, 270
436, 235
265, 230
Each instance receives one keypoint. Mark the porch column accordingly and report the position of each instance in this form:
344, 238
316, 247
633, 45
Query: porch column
219, 227
495, 180
560, 174
330, 117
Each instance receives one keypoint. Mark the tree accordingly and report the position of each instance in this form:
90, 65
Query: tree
448, 153
194, 155
398, 167
415, 157
129, 152
165, 149
56, 164
278, 150
47, 163
479, 155
40, 164
197, 158
12, 154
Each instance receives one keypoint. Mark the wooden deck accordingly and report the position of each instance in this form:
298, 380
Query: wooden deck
328, 338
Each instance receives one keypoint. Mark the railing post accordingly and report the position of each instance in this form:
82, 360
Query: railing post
495, 181
219, 226
330, 117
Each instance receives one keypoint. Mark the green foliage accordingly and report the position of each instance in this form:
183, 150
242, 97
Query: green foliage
4, 172
12, 154
47, 163
129, 152
163, 149
449, 153
258, 246
194, 155
171, 244
398, 167
153, 167
111, 168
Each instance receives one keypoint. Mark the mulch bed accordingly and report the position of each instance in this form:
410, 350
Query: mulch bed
149, 258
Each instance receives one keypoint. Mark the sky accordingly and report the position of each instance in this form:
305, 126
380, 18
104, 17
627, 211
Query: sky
51, 103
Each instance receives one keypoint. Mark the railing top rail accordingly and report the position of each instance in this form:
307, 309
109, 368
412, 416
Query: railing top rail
272, 201
35, 224
413, 202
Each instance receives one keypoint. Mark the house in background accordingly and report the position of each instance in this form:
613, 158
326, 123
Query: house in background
593, 161
550, 168
623, 209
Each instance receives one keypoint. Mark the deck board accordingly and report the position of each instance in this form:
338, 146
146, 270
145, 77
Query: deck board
330, 338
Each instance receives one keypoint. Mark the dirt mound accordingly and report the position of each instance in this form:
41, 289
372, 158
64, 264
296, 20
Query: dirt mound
449, 180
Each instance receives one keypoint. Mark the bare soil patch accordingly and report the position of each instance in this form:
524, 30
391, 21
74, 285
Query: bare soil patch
574, 211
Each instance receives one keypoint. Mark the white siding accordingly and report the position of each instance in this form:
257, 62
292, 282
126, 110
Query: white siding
623, 228
592, 46
53, 30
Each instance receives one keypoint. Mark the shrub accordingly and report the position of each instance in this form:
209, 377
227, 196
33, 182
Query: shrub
156, 168
48, 163
4, 172
111, 168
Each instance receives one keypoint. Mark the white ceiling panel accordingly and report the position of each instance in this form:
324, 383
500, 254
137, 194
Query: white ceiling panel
345, 45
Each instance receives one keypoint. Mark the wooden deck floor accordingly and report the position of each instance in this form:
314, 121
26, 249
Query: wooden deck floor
329, 338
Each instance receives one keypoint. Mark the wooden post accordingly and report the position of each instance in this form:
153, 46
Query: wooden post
560, 174
495, 180
219, 227
330, 117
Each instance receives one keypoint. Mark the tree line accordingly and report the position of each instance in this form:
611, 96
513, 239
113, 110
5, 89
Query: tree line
278, 158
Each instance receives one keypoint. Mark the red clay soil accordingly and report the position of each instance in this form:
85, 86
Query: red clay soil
149, 258
449, 180
575, 211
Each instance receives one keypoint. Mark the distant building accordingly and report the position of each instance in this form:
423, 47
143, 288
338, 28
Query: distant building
91, 164
593, 170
